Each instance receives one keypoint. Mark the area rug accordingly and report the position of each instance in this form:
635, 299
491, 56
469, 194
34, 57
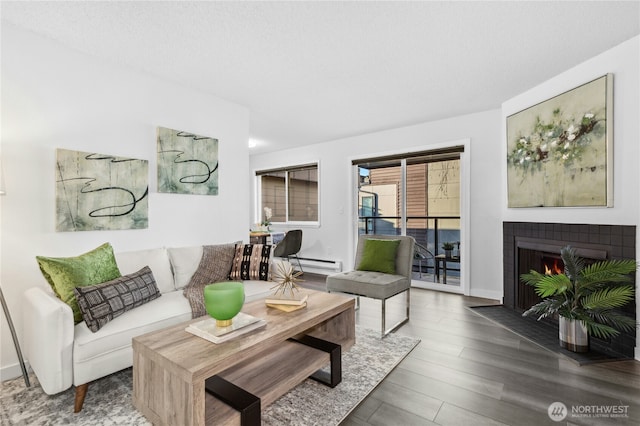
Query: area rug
108, 400
542, 334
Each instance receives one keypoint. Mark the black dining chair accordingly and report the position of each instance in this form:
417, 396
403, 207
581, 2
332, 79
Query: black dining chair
290, 246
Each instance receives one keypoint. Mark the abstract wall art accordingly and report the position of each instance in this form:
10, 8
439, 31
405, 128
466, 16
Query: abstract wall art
187, 163
560, 151
100, 192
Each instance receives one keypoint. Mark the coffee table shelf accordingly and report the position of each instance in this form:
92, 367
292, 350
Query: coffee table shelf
171, 366
268, 377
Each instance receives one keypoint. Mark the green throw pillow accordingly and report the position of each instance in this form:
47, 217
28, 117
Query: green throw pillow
65, 273
379, 256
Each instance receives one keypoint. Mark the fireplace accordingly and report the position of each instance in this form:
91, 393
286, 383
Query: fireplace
543, 256
528, 246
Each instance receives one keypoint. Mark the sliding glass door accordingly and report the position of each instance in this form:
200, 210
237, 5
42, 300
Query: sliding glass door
416, 195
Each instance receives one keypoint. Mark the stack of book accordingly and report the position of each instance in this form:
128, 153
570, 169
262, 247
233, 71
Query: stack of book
287, 303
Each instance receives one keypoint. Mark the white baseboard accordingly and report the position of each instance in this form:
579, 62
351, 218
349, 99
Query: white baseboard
12, 371
486, 294
435, 286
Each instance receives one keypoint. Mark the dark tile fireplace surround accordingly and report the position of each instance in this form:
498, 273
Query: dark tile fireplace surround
525, 243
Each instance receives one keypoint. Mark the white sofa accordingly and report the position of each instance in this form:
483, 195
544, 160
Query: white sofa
63, 354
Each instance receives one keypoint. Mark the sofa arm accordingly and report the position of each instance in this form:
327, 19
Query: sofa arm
48, 331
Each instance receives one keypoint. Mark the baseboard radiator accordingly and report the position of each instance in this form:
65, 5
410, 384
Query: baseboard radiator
320, 264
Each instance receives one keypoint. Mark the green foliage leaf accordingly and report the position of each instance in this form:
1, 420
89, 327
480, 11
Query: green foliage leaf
610, 271
532, 278
546, 285
586, 293
601, 331
615, 320
608, 298
544, 309
573, 264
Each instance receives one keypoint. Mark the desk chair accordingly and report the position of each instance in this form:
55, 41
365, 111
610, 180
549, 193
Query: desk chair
290, 246
378, 285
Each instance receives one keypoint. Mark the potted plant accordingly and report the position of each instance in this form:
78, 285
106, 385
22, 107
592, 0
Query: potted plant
448, 249
266, 223
584, 298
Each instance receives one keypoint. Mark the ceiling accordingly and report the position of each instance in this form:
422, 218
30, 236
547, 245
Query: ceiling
316, 71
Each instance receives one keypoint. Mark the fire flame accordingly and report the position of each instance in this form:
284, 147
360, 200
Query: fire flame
552, 269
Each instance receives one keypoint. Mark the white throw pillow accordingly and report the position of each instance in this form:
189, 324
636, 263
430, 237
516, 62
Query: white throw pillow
184, 261
156, 259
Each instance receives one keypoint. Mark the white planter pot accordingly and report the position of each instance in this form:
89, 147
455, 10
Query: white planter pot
573, 335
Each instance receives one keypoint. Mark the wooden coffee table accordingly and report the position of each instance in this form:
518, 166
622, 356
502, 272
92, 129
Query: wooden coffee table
172, 367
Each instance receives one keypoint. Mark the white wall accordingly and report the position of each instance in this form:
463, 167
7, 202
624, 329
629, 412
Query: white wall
52, 98
334, 239
487, 133
623, 61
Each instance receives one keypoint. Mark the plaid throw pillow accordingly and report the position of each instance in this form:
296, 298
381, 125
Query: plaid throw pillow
251, 262
102, 303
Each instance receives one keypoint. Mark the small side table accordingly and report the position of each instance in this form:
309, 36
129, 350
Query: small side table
259, 237
444, 259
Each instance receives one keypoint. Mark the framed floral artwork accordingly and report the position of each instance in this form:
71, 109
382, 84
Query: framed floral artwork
559, 152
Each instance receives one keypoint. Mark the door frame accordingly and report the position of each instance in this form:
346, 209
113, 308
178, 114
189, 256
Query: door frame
465, 207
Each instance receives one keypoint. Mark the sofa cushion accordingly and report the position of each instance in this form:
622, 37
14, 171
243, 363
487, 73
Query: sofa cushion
184, 261
156, 259
172, 308
251, 262
376, 285
214, 267
379, 256
65, 273
104, 302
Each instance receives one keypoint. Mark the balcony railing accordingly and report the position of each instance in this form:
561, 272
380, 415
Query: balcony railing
429, 231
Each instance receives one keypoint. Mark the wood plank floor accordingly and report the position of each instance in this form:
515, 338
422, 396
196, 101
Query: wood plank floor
470, 371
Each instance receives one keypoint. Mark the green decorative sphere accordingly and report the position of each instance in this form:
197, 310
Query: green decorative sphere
223, 301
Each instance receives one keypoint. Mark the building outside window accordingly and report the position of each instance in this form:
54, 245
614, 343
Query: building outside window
291, 194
